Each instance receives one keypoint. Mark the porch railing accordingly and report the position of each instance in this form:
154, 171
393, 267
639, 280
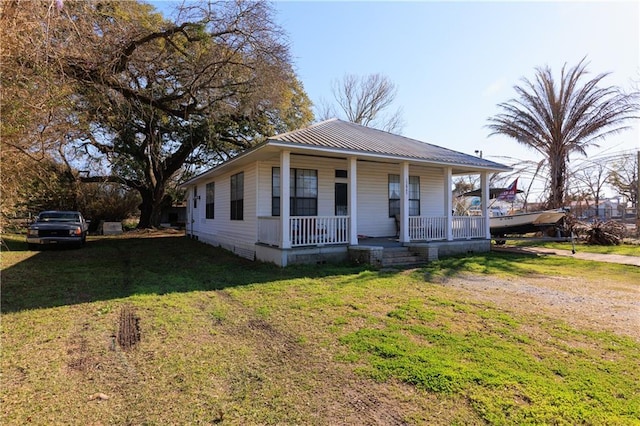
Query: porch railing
305, 230
428, 228
314, 230
465, 227
321, 230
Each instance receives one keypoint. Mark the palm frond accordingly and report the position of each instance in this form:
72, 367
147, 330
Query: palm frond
561, 118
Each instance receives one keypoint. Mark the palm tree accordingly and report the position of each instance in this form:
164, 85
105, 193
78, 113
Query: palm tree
561, 120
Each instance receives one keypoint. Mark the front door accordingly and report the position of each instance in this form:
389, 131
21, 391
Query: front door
342, 206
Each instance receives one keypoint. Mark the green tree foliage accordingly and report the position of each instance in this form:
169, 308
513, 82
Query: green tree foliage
151, 97
48, 186
107, 201
558, 119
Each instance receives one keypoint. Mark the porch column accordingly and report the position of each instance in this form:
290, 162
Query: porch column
485, 194
285, 194
404, 203
353, 201
448, 201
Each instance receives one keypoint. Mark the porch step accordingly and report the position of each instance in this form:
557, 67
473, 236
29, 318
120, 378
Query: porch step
401, 256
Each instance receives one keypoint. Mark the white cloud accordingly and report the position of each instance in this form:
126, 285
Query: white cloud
494, 88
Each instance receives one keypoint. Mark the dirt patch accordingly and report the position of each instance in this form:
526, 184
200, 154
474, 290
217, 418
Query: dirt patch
590, 304
79, 355
153, 233
128, 329
331, 393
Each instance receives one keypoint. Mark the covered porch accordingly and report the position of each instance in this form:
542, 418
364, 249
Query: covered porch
328, 230
287, 231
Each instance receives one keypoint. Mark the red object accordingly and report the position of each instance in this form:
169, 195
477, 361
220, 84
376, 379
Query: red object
509, 194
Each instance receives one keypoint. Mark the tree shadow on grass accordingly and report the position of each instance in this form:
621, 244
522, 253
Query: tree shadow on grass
114, 268
479, 263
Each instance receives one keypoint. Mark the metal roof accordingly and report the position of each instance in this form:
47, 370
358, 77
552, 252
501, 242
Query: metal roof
343, 135
343, 138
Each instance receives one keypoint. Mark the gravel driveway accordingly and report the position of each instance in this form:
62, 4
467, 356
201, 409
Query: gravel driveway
591, 304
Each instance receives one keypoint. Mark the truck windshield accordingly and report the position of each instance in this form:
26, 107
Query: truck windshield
59, 217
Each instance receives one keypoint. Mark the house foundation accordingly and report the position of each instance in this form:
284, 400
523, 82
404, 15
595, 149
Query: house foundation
301, 255
369, 253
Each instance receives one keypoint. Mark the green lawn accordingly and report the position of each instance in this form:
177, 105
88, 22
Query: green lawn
631, 248
229, 341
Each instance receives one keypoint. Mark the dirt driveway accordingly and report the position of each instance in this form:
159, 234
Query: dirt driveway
591, 304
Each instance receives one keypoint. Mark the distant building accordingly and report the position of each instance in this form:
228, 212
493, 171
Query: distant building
606, 209
175, 215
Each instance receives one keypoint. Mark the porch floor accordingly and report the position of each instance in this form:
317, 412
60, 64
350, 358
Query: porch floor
386, 242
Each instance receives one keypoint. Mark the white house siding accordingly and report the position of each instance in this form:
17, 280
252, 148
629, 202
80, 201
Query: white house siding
326, 168
372, 180
431, 190
238, 236
373, 209
373, 196
373, 199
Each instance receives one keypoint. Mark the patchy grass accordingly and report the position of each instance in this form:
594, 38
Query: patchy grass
227, 341
522, 265
631, 248
509, 377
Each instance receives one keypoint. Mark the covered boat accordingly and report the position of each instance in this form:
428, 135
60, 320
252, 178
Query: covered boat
501, 224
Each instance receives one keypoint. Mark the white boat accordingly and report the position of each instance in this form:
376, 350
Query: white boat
501, 224
523, 223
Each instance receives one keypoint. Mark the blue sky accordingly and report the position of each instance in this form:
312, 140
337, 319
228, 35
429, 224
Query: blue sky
453, 62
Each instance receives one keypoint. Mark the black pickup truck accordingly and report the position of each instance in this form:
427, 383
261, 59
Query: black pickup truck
57, 227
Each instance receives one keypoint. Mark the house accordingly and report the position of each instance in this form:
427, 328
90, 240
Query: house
605, 209
174, 215
350, 190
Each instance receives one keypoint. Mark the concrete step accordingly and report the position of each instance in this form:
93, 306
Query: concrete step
396, 252
415, 260
401, 256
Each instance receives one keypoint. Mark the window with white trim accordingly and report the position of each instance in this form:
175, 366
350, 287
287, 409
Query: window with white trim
303, 186
394, 195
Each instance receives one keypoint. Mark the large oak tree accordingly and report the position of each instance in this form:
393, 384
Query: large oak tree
152, 95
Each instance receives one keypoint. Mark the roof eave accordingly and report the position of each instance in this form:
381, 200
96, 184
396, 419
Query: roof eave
223, 165
491, 166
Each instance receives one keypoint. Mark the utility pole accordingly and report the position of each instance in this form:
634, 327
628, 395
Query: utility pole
638, 196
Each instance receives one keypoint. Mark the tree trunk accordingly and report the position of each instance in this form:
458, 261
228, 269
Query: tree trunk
150, 208
556, 166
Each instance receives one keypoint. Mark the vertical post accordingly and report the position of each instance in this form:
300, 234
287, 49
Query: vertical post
285, 194
353, 201
638, 196
448, 202
484, 184
404, 203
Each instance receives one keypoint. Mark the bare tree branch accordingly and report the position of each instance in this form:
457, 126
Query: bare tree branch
364, 100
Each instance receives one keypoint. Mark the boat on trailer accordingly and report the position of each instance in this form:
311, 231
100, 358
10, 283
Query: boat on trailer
501, 225
524, 223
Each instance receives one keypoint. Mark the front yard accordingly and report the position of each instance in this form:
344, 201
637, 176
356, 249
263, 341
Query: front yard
498, 338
